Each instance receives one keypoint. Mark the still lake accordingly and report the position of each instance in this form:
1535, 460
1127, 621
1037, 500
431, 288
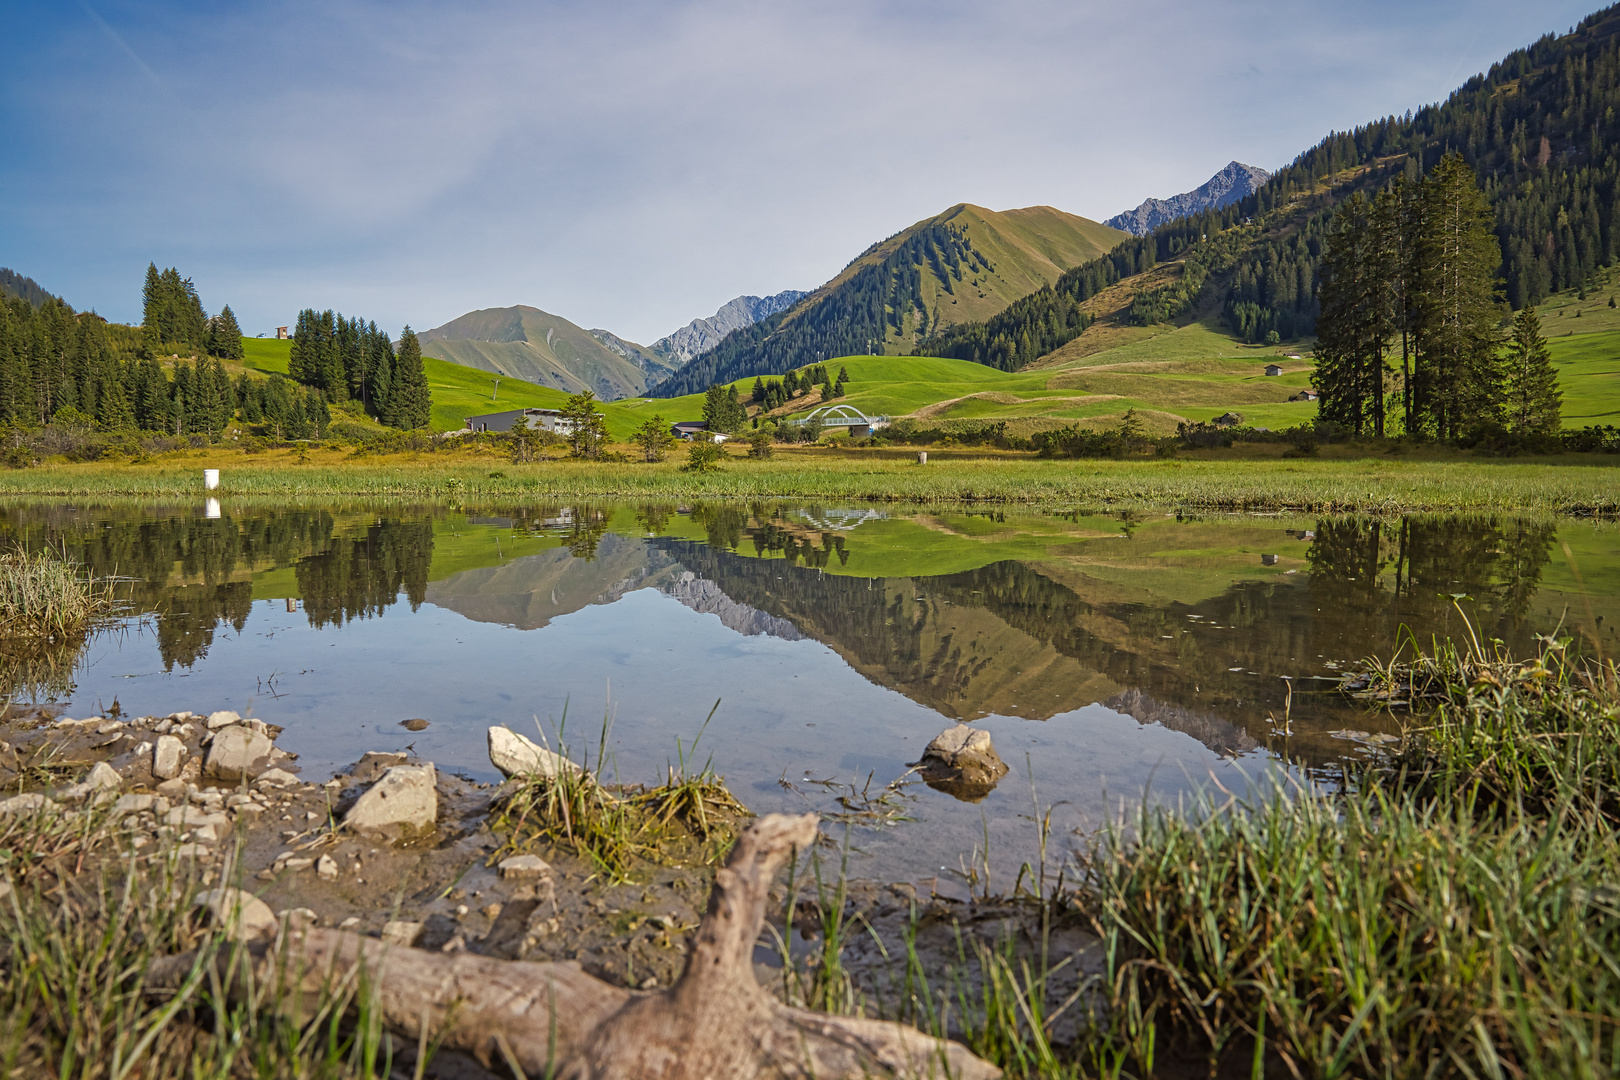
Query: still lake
1110, 655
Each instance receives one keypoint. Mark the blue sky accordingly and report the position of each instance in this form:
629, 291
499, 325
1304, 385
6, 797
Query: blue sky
635, 165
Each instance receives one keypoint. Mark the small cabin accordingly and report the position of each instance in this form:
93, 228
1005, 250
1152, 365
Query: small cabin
535, 419
1304, 395
1227, 420
1273, 369
691, 430
281, 333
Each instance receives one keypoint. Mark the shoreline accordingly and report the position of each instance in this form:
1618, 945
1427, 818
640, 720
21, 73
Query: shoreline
1590, 488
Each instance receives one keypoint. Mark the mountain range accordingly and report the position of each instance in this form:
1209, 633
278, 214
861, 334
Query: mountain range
962, 265
1232, 183
700, 335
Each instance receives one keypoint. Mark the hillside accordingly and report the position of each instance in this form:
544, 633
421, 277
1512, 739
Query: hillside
526, 343
1194, 372
23, 288
962, 265
1234, 182
1543, 128
460, 391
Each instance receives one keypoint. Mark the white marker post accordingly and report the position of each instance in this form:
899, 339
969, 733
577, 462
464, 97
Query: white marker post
210, 479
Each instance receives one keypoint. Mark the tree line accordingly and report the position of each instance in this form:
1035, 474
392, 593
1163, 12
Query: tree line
350, 359
1541, 130
1409, 316
61, 365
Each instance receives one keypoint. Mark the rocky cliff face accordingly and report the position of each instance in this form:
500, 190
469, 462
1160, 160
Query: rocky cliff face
700, 335
656, 365
1229, 185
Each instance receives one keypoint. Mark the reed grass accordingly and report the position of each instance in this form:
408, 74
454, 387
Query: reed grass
75, 1000
42, 596
1452, 909
1378, 485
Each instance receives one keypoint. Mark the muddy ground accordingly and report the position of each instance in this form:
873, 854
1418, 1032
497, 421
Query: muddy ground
281, 836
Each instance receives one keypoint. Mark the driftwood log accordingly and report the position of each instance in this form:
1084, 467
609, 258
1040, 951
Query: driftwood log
552, 1019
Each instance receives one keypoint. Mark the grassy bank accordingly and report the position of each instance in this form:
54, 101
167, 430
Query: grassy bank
1383, 485
1449, 911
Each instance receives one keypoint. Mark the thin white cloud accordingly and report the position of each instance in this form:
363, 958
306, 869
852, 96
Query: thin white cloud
634, 165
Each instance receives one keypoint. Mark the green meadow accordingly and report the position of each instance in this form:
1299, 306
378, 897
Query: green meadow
1195, 372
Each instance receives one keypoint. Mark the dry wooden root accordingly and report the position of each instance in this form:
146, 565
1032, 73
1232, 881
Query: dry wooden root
552, 1019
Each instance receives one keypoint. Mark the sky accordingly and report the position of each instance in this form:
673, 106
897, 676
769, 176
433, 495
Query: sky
633, 166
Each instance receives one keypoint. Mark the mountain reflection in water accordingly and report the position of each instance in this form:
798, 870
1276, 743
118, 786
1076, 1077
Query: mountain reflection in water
1186, 626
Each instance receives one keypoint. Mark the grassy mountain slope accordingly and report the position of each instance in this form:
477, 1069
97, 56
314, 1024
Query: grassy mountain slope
1193, 372
1542, 129
460, 391
526, 343
962, 265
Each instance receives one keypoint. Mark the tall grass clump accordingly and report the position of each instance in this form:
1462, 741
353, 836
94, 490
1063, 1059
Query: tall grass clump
78, 994
43, 596
1451, 911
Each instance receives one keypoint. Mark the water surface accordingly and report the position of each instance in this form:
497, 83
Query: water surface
1108, 655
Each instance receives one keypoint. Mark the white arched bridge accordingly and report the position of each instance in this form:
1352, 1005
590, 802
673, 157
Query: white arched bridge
844, 416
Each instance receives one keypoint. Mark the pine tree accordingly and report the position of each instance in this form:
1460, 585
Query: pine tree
1457, 379
587, 429
1533, 400
410, 405
224, 335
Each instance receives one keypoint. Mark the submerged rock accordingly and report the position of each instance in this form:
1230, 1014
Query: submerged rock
403, 803
961, 761
515, 755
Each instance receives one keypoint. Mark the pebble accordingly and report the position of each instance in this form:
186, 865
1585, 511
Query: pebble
326, 868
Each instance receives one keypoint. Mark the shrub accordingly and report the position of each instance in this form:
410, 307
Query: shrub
702, 456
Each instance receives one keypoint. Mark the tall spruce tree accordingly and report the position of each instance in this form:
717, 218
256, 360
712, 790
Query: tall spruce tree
1533, 403
409, 404
1456, 375
224, 335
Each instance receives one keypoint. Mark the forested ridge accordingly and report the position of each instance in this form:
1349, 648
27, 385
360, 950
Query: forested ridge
1541, 130
845, 319
13, 284
62, 366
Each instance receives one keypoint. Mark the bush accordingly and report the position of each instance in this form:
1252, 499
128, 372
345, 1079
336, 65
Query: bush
702, 456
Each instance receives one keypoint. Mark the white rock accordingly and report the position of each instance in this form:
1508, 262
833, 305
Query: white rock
401, 933
142, 748
164, 726
104, 776
244, 915
515, 755
238, 753
523, 866
350, 923
326, 868
298, 917
167, 757
223, 718
25, 804
172, 789
193, 851
277, 777
205, 834
109, 726
404, 802
133, 804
